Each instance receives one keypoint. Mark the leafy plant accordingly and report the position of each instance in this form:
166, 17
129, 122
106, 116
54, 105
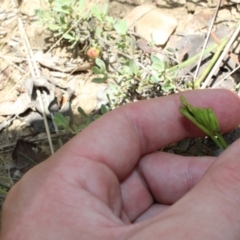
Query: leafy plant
63, 122
107, 42
100, 69
71, 20
121, 27
205, 119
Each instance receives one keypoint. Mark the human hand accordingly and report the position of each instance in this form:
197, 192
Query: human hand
109, 182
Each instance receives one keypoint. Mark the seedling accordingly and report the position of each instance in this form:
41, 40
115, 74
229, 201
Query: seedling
100, 69
205, 119
63, 122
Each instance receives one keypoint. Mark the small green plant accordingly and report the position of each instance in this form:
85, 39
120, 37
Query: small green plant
107, 42
205, 119
121, 27
72, 21
100, 69
159, 68
63, 122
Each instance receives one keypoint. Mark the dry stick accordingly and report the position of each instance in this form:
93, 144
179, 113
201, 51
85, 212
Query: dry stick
234, 58
225, 51
230, 53
30, 61
94, 2
206, 40
12, 64
44, 112
34, 74
26, 74
211, 63
32, 65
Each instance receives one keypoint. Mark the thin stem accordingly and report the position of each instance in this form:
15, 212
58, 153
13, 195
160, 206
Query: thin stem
194, 58
211, 64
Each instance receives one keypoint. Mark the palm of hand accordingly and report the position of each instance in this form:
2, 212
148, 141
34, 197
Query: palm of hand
110, 176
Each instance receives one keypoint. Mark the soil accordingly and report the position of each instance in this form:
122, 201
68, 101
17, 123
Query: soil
15, 70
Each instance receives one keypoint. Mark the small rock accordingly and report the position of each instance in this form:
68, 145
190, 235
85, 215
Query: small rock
199, 21
224, 14
151, 23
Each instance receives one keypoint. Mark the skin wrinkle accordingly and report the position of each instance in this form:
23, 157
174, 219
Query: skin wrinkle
229, 175
159, 163
134, 121
189, 176
97, 154
93, 185
133, 186
141, 174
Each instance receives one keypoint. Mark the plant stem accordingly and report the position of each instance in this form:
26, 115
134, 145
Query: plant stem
212, 62
194, 58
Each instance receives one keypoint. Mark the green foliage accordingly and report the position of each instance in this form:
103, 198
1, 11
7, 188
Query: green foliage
121, 27
117, 63
205, 119
63, 122
71, 20
100, 69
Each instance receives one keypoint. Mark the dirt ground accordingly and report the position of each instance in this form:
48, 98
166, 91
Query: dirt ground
15, 69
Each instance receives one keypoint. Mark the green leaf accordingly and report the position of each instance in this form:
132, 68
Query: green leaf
121, 27
205, 119
67, 120
96, 70
75, 128
125, 70
158, 64
62, 20
105, 9
134, 69
53, 27
82, 112
60, 10
88, 121
82, 126
171, 50
204, 116
95, 117
81, 6
109, 20
99, 80
96, 12
100, 63
104, 109
68, 37
60, 120
154, 78
167, 86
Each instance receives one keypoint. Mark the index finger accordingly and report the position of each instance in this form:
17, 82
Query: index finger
119, 138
